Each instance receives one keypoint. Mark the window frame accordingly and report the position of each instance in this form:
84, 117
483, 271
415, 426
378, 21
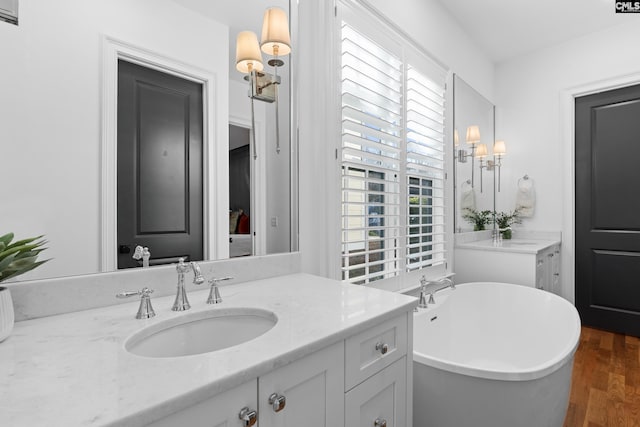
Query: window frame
359, 16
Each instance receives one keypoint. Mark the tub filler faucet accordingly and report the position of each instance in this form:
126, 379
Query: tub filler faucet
443, 283
181, 302
423, 293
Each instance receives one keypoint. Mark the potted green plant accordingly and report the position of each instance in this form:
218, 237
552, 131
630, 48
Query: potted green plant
479, 219
15, 258
504, 221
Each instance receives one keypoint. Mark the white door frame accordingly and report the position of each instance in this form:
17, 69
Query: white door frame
215, 152
567, 100
258, 184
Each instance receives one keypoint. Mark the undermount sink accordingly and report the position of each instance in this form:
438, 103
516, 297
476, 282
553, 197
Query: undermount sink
201, 332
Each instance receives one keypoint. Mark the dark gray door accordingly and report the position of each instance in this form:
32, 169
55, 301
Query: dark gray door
608, 210
159, 165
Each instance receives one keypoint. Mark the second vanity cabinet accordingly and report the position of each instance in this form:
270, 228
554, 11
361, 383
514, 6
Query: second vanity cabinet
523, 262
361, 380
548, 269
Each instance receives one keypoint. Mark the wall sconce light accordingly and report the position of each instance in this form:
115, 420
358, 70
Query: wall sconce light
481, 153
249, 60
499, 150
276, 42
473, 138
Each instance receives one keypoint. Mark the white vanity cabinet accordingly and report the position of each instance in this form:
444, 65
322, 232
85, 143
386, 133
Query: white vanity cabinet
359, 381
378, 364
307, 392
339, 355
530, 263
310, 389
380, 401
220, 410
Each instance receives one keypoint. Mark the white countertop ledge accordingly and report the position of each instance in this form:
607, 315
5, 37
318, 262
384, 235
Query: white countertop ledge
524, 246
73, 370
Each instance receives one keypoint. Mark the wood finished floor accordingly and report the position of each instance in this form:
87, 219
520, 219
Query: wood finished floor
605, 389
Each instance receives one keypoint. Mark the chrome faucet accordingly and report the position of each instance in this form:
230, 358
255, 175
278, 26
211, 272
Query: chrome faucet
214, 293
447, 282
145, 311
423, 293
496, 237
423, 302
181, 302
142, 253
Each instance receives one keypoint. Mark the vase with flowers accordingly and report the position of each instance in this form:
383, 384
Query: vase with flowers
15, 258
479, 219
504, 221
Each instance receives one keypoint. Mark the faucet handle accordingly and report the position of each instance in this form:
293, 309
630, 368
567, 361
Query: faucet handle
423, 281
432, 300
214, 293
198, 278
137, 253
145, 311
181, 267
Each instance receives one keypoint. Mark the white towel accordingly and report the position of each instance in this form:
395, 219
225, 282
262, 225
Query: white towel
525, 201
468, 199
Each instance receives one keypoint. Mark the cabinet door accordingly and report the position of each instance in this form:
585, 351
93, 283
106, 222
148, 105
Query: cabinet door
555, 271
221, 410
381, 400
313, 391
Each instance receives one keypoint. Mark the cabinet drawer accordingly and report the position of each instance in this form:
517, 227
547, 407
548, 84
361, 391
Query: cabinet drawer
382, 397
374, 349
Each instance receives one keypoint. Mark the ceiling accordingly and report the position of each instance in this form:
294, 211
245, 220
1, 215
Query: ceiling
508, 28
503, 29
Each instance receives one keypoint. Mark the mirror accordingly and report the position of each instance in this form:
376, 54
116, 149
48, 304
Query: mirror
53, 115
473, 121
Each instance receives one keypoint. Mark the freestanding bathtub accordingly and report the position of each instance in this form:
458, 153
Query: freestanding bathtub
493, 355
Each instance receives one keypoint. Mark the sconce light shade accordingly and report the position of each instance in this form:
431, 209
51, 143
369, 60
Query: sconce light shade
473, 135
481, 151
499, 149
248, 56
276, 40
456, 138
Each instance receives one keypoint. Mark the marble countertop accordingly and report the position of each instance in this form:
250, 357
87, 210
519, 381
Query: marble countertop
524, 246
73, 370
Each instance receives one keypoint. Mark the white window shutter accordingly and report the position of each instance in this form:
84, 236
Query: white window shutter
393, 162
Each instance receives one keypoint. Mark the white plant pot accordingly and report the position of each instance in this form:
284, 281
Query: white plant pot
6, 313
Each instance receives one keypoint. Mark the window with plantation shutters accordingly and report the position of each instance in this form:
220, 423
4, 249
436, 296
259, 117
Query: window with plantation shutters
392, 123
425, 239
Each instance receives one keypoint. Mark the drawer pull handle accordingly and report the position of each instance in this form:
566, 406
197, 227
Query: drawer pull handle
277, 402
248, 417
380, 422
382, 348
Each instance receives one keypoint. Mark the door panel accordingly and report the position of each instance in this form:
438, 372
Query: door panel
607, 210
159, 165
163, 167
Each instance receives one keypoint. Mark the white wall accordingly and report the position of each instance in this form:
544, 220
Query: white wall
50, 111
423, 20
534, 118
432, 26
